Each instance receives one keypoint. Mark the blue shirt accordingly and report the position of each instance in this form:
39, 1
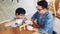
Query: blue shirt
45, 22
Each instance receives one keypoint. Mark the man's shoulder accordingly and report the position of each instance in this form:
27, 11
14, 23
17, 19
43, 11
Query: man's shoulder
49, 12
49, 15
36, 12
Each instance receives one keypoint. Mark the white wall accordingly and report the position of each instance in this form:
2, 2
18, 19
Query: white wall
7, 8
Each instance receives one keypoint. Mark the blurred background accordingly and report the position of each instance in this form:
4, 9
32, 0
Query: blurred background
8, 7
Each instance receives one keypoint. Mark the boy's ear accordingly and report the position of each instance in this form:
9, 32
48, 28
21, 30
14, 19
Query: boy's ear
16, 13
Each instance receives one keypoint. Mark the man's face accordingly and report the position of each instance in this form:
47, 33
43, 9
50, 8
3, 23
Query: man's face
21, 16
40, 9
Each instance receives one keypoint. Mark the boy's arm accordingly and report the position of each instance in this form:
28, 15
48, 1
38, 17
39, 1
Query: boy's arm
9, 23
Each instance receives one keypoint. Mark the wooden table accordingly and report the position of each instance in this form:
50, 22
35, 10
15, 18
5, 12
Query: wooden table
17, 31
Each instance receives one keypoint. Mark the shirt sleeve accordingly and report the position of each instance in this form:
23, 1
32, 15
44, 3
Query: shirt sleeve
48, 24
35, 16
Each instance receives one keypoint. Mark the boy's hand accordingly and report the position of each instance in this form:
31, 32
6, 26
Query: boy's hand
22, 26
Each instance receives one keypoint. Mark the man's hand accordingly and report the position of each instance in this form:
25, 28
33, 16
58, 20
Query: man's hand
35, 29
29, 22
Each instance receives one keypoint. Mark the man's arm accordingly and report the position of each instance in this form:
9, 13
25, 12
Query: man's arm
34, 16
46, 27
33, 19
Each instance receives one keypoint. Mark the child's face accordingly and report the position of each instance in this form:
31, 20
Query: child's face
21, 16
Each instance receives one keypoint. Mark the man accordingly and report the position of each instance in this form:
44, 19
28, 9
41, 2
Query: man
44, 18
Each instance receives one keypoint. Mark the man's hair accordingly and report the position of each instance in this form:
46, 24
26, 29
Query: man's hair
20, 11
43, 3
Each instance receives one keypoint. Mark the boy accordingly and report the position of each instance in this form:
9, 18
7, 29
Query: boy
19, 19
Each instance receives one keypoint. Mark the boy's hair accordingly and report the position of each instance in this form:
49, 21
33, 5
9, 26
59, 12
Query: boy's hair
20, 11
43, 3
